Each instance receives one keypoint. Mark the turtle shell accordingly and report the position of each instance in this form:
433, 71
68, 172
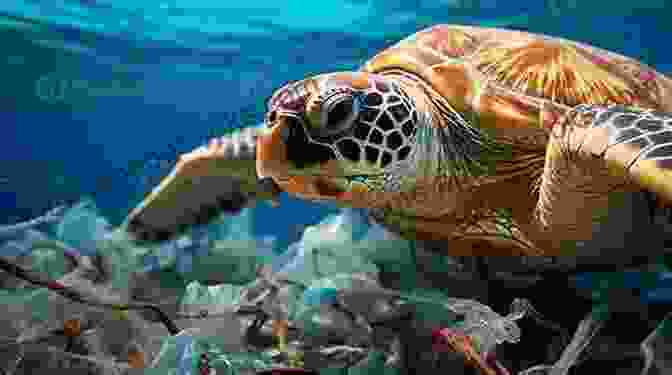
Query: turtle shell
507, 76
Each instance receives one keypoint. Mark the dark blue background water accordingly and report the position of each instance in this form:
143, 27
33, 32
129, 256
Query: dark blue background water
99, 97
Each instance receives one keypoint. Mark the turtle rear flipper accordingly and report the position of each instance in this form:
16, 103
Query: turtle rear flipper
206, 182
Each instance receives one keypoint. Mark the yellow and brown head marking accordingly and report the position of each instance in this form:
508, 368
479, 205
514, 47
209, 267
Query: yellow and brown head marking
331, 133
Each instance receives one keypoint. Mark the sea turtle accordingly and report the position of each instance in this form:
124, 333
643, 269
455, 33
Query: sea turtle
500, 141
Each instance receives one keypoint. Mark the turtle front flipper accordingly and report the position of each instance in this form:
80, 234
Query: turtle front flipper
206, 182
597, 155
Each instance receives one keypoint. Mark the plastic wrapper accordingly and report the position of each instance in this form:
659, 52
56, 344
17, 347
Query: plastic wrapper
180, 354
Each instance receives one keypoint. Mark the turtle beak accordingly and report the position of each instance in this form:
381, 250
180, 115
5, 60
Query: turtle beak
272, 162
274, 165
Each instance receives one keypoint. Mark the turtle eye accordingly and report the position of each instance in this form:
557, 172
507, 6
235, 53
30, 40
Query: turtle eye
339, 113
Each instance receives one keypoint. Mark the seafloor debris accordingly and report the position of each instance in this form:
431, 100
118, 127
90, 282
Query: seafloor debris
104, 310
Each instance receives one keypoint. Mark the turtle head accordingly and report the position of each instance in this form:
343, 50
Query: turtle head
334, 135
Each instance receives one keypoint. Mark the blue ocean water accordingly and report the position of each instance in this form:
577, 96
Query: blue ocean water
99, 97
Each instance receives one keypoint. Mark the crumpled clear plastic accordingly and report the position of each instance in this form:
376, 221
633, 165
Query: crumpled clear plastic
82, 227
485, 326
179, 355
657, 348
203, 296
582, 338
360, 293
224, 252
326, 259
53, 216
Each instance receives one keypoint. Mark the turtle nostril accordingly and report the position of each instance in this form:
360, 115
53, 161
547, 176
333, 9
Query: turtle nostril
271, 118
